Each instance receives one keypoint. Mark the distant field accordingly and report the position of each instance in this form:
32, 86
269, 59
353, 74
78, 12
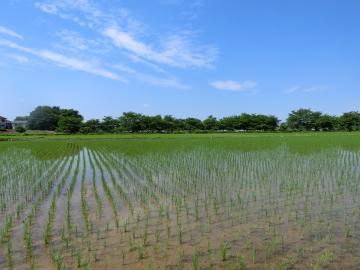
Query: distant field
180, 201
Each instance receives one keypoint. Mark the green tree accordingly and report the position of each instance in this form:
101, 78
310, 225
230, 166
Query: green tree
91, 126
228, 123
20, 129
44, 118
193, 124
210, 123
350, 121
109, 124
303, 119
327, 122
70, 121
132, 122
154, 123
22, 118
170, 123
262, 122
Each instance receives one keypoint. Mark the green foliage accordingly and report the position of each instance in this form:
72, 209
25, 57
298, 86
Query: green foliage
303, 119
70, 121
20, 129
44, 118
54, 118
308, 120
350, 121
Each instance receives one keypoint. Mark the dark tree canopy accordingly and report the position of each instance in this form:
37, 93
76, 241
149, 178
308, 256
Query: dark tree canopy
70, 121
350, 121
22, 118
303, 119
211, 123
54, 118
306, 119
254, 122
44, 118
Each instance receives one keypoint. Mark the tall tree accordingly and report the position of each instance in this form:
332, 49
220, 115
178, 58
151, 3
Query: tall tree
91, 126
132, 122
70, 121
193, 124
44, 118
210, 123
350, 121
109, 124
327, 122
303, 119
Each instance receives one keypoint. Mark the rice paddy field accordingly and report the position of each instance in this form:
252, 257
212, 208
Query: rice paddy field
209, 201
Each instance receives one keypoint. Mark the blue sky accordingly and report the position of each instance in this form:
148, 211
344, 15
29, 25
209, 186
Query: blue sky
179, 57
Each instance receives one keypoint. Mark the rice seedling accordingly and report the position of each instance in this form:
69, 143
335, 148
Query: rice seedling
142, 203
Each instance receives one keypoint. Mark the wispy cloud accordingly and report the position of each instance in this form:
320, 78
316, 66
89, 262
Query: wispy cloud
9, 32
124, 68
150, 79
65, 9
302, 89
47, 7
119, 32
126, 41
74, 40
64, 61
19, 58
176, 50
162, 82
230, 85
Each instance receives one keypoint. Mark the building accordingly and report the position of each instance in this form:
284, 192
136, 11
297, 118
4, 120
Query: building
4, 123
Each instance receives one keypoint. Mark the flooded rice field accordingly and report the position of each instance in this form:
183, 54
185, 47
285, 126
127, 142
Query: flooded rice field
92, 204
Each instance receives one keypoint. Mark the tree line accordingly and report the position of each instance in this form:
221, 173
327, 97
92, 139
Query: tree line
71, 121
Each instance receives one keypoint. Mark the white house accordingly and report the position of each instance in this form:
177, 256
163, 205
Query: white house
4, 123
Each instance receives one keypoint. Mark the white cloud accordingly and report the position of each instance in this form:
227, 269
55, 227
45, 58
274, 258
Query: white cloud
47, 7
126, 41
9, 32
89, 13
150, 79
230, 85
117, 31
89, 67
174, 49
162, 82
124, 68
63, 9
302, 89
184, 53
19, 58
64, 61
178, 50
74, 40
137, 59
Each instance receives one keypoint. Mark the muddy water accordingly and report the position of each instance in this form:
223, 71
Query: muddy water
41, 253
309, 230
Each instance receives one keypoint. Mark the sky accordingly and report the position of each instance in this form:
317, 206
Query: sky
179, 57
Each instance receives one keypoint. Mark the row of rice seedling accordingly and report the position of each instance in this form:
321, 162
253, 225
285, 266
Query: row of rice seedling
193, 208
